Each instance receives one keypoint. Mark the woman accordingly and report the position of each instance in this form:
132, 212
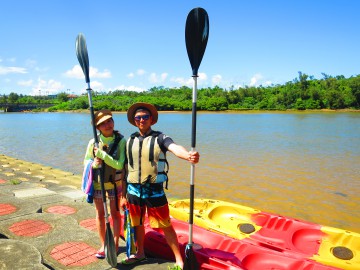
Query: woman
110, 156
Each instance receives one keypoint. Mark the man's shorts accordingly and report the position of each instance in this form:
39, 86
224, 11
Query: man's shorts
150, 198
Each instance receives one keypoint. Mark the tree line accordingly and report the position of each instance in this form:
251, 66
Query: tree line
303, 93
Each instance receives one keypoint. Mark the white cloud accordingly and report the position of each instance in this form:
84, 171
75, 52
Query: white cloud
94, 73
97, 85
255, 79
182, 82
268, 83
130, 75
153, 78
129, 88
216, 79
76, 72
258, 79
8, 70
47, 87
140, 72
202, 78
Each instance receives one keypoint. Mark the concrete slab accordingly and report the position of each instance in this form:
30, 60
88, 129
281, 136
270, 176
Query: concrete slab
31, 192
23, 207
74, 194
16, 254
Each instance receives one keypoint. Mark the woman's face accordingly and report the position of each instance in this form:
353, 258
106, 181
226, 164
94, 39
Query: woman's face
107, 127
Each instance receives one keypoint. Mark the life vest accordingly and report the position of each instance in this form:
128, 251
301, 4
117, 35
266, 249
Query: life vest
111, 174
146, 160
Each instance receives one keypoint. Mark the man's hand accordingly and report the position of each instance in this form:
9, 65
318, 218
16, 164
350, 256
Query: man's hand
193, 157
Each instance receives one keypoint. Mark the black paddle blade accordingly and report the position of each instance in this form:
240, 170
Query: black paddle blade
190, 262
196, 36
82, 55
110, 250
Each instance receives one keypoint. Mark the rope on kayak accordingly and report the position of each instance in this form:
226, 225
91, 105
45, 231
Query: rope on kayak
343, 253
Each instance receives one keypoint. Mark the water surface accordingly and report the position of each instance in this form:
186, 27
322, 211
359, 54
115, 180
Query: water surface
303, 165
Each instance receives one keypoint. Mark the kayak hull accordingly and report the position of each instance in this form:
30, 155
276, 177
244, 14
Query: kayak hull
326, 245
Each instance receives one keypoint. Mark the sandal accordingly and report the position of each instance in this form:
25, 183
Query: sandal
132, 260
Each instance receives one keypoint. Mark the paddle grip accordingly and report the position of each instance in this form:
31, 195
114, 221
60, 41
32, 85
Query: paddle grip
192, 194
193, 127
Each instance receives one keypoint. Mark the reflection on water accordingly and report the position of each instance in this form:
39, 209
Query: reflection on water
302, 165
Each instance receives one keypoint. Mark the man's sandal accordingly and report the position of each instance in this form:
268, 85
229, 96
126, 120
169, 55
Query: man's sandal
132, 260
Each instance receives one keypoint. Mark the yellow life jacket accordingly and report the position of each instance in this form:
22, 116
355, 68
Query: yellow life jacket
146, 160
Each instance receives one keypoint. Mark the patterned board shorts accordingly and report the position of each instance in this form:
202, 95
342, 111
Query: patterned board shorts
150, 198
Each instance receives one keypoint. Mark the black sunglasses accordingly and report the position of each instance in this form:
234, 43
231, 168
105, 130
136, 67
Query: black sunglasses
144, 117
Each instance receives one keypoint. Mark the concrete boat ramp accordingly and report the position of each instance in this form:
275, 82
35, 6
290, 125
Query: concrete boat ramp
46, 223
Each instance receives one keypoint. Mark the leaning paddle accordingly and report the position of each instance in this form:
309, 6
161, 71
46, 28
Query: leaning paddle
82, 55
196, 37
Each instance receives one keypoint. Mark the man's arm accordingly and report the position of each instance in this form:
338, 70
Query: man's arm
181, 152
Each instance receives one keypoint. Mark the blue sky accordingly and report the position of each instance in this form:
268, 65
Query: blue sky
136, 45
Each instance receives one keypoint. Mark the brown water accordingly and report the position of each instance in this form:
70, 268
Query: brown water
302, 165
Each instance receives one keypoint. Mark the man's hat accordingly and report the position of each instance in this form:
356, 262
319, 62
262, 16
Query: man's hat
141, 105
101, 116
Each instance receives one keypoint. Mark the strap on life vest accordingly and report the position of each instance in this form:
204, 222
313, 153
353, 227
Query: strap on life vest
133, 136
118, 138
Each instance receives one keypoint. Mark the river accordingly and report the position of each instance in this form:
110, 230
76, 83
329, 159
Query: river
298, 164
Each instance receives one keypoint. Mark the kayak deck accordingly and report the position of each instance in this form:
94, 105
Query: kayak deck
326, 245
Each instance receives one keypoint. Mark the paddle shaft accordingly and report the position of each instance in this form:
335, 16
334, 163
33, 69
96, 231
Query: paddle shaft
192, 171
92, 116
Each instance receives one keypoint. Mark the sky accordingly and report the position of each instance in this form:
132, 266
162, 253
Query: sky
136, 45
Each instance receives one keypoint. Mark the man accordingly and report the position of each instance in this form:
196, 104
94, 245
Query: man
146, 163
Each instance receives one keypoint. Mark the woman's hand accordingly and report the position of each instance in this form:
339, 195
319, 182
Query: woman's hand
97, 162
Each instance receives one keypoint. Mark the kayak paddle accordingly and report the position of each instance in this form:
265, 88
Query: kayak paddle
82, 55
196, 37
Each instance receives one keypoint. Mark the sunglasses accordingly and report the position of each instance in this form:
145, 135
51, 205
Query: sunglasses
144, 117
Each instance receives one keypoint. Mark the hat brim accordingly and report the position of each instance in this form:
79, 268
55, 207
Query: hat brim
133, 108
103, 119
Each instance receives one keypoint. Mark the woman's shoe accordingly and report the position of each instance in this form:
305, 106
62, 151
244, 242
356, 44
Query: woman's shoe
100, 254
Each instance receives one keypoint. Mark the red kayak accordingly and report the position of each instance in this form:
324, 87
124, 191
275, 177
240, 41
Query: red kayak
217, 251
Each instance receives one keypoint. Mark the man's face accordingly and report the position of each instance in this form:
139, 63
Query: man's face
143, 120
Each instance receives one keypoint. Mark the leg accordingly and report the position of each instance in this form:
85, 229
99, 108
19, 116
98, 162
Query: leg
100, 221
140, 237
171, 239
137, 215
159, 217
116, 222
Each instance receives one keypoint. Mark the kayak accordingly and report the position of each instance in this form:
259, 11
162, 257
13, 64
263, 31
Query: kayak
218, 251
326, 245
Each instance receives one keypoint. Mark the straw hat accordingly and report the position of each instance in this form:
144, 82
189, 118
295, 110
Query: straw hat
141, 105
101, 116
